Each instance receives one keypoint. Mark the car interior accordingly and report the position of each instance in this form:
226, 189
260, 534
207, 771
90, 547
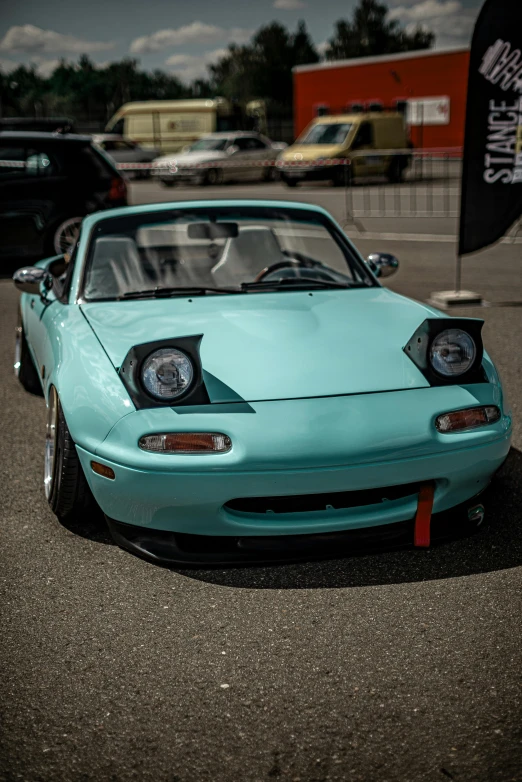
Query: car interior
172, 256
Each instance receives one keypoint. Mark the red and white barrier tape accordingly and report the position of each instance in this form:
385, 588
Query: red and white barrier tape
436, 154
187, 167
12, 164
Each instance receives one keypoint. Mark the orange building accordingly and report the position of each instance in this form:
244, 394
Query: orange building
429, 85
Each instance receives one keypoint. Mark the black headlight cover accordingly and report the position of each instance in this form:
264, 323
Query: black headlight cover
418, 350
130, 373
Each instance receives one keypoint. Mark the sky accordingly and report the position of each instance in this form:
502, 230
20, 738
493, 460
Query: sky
182, 37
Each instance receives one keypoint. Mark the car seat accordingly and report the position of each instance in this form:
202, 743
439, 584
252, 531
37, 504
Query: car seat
245, 255
115, 269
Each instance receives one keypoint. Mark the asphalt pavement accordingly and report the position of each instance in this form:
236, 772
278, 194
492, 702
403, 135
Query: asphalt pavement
397, 666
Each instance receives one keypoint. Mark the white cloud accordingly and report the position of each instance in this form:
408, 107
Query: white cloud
30, 39
448, 19
44, 68
196, 32
289, 5
322, 47
189, 67
427, 9
6, 66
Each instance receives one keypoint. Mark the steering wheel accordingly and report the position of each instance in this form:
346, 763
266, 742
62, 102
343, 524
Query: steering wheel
291, 263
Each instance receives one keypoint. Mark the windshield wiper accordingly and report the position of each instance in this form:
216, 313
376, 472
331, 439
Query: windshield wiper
293, 282
158, 293
262, 285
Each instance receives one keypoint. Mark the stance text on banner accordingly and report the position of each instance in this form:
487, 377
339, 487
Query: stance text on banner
492, 166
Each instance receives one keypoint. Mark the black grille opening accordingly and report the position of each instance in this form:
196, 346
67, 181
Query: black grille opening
306, 503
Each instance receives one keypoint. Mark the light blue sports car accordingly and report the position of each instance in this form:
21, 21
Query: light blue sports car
228, 381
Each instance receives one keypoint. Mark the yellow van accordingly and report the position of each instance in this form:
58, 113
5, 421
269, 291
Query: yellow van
351, 136
171, 125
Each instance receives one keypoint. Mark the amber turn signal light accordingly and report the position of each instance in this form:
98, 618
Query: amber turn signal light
102, 469
186, 442
471, 418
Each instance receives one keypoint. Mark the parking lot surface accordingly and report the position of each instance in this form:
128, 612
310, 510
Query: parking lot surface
392, 666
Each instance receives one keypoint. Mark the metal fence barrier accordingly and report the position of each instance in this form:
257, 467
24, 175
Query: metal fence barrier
429, 186
377, 183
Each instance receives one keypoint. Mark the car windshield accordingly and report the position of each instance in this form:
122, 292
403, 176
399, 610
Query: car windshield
219, 250
206, 144
327, 133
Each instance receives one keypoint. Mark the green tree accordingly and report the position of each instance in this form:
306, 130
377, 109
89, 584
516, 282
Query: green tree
23, 92
263, 68
370, 32
304, 51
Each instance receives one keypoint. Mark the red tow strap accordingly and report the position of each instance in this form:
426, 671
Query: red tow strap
423, 517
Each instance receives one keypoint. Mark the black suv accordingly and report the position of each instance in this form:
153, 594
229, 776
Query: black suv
48, 183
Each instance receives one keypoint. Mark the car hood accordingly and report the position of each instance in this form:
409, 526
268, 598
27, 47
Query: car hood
310, 152
185, 158
277, 345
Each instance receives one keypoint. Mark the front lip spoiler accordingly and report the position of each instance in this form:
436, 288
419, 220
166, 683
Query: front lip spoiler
174, 548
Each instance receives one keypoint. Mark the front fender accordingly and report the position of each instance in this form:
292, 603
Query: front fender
92, 396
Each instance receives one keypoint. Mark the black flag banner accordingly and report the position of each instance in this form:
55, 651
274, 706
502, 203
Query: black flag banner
492, 165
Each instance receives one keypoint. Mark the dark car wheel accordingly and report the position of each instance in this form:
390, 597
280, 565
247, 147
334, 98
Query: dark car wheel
214, 176
270, 174
168, 182
396, 171
342, 176
24, 367
290, 182
65, 485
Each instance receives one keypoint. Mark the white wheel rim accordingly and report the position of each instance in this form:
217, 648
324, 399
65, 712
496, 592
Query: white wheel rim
51, 430
66, 235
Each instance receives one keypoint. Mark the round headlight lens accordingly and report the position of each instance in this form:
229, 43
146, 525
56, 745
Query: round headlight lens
167, 374
452, 352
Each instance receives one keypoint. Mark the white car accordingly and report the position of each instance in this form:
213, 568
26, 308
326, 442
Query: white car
220, 157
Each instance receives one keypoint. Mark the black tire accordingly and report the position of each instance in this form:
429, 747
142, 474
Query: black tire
270, 174
25, 369
395, 173
342, 177
290, 182
168, 182
213, 177
68, 493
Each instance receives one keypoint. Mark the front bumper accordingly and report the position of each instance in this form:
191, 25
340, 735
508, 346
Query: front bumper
178, 174
312, 173
297, 449
172, 548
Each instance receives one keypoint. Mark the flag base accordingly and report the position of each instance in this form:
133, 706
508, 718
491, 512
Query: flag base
445, 300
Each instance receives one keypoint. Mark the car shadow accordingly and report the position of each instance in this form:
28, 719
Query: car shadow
496, 546
91, 527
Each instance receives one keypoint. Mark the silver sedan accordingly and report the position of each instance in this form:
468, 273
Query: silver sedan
220, 157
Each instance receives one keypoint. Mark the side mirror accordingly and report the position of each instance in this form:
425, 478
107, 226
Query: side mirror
32, 279
383, 264
232, 149
279, 145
